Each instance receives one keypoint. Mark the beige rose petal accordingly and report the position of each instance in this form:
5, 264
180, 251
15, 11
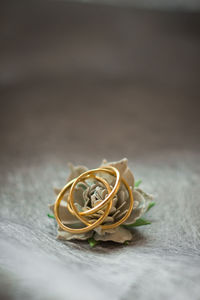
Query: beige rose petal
76, 171
148, 198
101, 231
122, 204
139, 210
64, 214
67, 236
78, 196
120, 165
120, 235
128, 176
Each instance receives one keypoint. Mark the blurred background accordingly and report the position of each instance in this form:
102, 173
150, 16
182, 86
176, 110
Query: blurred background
98, 77
86, 80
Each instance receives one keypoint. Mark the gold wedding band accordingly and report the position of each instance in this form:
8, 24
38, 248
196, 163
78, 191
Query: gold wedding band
89, 227
106, 204
109, 170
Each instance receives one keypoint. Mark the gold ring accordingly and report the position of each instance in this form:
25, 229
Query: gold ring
89, 227
107, 202
113, 225
110, 170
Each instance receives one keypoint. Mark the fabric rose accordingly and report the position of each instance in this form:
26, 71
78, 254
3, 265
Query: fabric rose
89, 194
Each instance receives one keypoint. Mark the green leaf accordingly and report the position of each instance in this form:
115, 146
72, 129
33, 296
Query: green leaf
50, 216
137, 183
92, 242
139, 222
126, 243
151, 204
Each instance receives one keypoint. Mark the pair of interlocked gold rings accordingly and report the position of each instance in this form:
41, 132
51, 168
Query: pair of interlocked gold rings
106, 204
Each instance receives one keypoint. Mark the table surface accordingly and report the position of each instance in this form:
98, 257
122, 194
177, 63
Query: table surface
80, 83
